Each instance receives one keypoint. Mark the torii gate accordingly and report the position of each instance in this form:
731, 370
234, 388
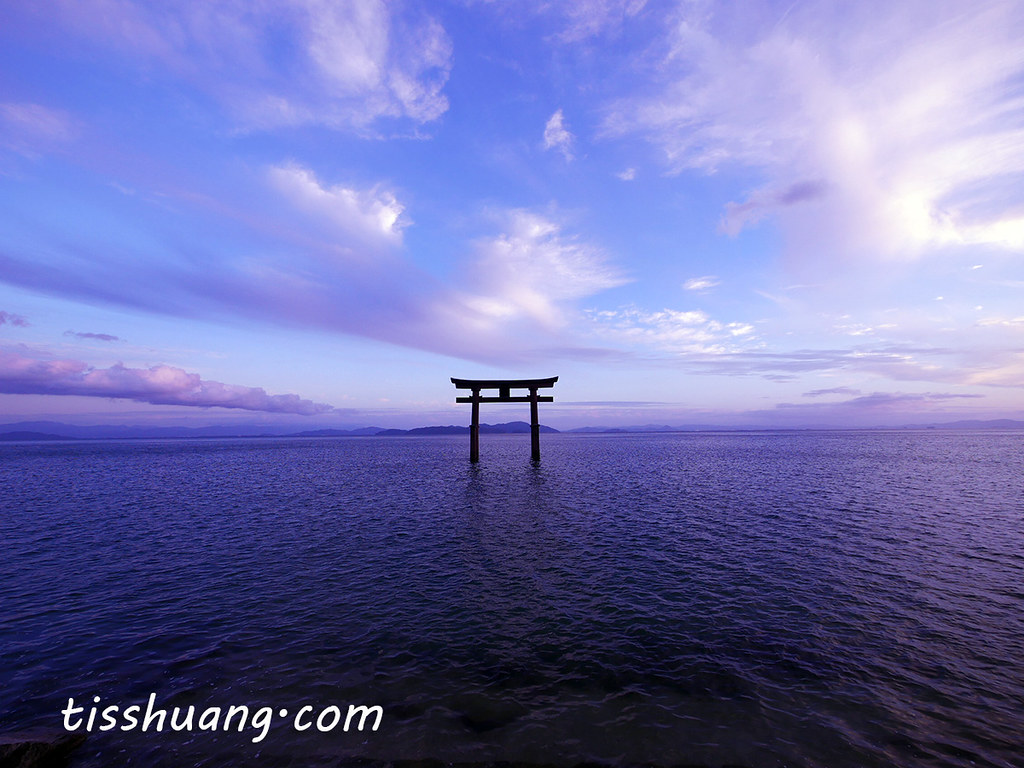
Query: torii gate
504, 396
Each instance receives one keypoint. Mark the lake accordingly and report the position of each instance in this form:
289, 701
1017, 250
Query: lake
753, 599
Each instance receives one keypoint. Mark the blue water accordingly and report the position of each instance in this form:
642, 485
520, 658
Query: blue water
783, 599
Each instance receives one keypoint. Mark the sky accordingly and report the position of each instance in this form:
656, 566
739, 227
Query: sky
774, 214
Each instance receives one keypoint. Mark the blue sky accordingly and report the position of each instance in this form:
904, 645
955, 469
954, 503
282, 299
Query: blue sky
758, 213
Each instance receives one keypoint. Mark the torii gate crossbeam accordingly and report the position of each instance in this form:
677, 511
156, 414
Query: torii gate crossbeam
504, 387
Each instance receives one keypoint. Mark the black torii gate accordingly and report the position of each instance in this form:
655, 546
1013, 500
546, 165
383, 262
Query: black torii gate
504, 387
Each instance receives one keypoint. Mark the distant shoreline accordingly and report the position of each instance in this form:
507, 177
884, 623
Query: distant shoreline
54, 431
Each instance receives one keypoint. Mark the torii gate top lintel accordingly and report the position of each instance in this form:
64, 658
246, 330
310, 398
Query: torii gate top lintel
504, 383
504, 387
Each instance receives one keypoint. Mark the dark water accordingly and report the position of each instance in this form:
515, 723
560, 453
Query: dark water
791, 599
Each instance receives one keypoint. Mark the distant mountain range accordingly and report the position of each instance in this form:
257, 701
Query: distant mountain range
509, 428
52, 430
975, 424
969, 424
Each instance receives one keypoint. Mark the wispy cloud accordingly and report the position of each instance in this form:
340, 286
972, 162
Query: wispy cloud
589, 18
30, 129
890, 362
611, 403
296, 62
1005, 369
898, 402
964, 367
557, 136
158, 385
702, 284
832, 391
877, 409
579, 21
1009, 322
880, 130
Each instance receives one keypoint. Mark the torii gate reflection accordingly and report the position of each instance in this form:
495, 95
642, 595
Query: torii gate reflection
504, 387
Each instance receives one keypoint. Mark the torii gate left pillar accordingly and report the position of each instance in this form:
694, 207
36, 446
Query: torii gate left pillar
504, 387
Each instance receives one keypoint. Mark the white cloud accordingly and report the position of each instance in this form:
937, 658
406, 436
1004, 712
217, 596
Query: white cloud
627, 175
391, 68
371, 217
877, 129
533, 269
557, 136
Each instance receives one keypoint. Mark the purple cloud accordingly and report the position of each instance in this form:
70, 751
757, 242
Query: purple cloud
764, 201
158, 385
96, 336
832, 391
13, 319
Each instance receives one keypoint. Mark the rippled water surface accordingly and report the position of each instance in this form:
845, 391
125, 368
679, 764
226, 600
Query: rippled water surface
787, 599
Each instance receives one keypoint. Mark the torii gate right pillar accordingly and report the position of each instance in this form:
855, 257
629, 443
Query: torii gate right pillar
534, 426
